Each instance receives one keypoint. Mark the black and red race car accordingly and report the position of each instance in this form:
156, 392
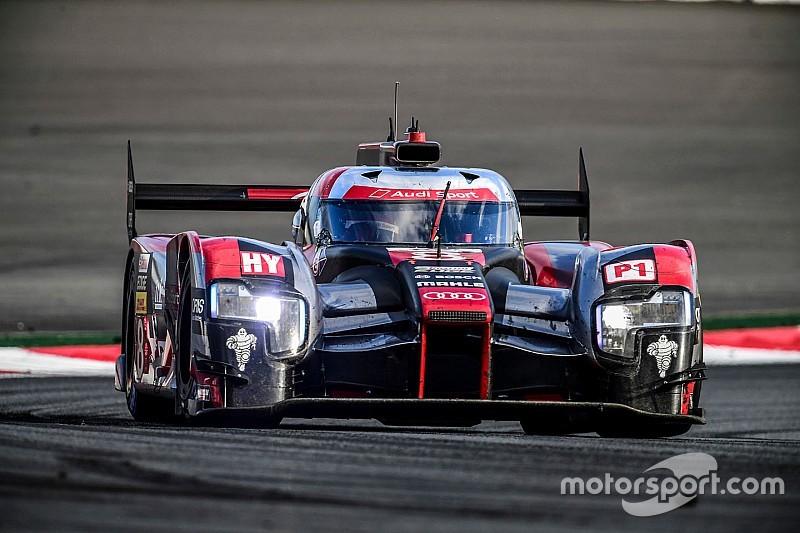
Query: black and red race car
408, 295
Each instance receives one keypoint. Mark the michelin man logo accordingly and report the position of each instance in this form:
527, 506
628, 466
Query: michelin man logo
663, 350
242, 343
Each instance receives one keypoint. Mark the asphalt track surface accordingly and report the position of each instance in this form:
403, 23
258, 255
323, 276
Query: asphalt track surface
688, 114
691, 124
72, 459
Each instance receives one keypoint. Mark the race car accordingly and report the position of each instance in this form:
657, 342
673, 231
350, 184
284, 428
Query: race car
407, 295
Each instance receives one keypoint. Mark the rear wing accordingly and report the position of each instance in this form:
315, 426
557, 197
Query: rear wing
560, 203
195, 197
287, 198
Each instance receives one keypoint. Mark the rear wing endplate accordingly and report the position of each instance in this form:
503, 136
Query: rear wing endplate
197, 197
560, 203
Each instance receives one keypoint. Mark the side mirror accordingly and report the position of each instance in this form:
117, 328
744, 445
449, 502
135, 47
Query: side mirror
298, 223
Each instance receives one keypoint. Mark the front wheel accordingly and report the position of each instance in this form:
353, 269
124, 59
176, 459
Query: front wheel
143, 407
184, 381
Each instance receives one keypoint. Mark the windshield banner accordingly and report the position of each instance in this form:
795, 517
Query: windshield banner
362, 192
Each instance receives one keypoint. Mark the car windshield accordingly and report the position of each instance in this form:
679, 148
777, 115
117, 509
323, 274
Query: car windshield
412, 222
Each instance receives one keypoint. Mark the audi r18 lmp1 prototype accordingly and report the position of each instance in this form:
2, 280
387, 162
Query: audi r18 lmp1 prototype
409, 296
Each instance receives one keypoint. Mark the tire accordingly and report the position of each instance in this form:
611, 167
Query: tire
185, 384
143, 407
184, 381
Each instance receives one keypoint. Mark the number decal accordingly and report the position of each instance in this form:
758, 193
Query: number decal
138, 362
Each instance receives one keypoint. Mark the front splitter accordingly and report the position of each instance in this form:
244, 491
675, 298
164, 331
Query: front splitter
443, 411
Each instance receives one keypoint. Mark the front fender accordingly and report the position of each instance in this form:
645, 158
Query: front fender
628, 273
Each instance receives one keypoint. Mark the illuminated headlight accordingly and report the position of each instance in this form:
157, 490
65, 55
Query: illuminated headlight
284, 315
616, 321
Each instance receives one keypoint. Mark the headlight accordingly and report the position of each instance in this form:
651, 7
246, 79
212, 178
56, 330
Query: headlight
616, 321
284, 315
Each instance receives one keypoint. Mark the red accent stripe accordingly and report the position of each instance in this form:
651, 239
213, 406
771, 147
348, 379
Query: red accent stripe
686, 399
538, 259
325, 182
223, 259
275, 193
782, 338
486, 362
423, 349
674, 266
94, 352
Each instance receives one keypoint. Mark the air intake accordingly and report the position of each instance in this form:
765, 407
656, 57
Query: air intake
457, 316
412, 153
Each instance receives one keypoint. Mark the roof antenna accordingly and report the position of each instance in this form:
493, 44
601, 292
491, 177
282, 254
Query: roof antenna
390, 138
396, 87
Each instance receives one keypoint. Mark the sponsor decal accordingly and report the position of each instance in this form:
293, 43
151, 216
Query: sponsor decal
469, 284
452, 295
635, 270
426, 276
144, 262
362, 192
197, 306
459, 269
143, 350
456, 276
262, 264
141, 303
141, 282
320, 258
452, 287
158, 293
664, 351
241, 344
468, 255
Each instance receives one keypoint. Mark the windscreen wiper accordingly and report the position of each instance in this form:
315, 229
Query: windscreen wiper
435, 231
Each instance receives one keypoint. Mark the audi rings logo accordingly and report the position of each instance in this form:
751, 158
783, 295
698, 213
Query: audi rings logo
448, 295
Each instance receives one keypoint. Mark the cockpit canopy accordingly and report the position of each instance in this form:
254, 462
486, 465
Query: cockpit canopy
411, 222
